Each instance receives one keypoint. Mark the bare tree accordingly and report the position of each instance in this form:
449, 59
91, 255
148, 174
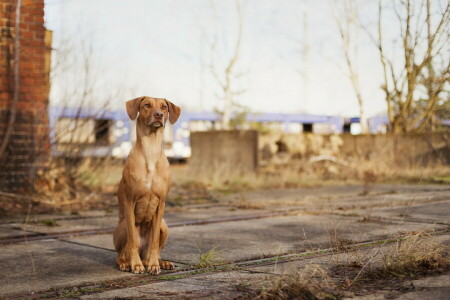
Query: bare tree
414, 87
346, 13
77, 81
227, 76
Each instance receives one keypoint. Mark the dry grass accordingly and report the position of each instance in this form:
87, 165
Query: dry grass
242, 203
210, 258
298, 173
340, 244
369, 172
69, 186
310, 282
415, 255
382, 267
78, 185
228, 182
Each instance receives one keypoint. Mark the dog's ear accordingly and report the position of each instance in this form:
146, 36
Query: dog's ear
133, 107
174, 112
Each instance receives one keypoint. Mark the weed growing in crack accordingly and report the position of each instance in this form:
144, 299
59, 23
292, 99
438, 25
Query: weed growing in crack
210, 258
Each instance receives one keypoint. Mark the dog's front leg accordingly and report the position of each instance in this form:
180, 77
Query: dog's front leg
152, 265
131, 250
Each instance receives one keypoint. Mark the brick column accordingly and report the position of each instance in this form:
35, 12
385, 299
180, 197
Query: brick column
28, 152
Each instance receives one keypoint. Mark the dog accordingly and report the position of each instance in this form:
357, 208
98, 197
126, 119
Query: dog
141, 232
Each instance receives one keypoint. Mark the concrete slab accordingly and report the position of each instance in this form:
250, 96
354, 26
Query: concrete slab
102, 221
48, 226
206, 213
7, 232
387, 201
250, 239
38, 266
432, 294
430, 212
224, 285
342, 199
432, 282
429, 288
340, 191
36, 218
31, 267
317, 200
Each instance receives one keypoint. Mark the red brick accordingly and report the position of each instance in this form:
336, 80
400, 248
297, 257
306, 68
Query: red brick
27, 34
31, 126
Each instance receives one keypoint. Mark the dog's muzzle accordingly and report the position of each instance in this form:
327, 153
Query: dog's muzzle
157, 124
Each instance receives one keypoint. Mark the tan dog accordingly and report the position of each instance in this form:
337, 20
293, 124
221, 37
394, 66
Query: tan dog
142, 232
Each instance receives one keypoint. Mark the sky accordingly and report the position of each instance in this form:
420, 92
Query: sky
163, 49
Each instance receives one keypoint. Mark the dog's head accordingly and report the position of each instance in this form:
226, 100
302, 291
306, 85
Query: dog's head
153, 112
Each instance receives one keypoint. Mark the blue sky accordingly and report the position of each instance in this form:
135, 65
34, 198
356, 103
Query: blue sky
160, 49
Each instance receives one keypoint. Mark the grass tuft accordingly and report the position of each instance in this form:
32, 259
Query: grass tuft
413, 256
210, 258
311, 282
50, 223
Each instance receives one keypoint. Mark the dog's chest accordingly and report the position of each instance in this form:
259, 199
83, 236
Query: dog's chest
147, 205
145, 209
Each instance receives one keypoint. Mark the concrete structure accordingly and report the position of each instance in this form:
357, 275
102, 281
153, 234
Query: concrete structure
224, 152
398, 150
27, 151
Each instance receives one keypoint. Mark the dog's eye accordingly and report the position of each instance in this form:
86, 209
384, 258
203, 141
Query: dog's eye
147, 105
164, 107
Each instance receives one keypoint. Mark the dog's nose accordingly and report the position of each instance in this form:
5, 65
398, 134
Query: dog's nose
158, 114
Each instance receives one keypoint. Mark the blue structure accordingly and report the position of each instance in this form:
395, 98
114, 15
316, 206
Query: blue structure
112, 132
378, 124
120, 128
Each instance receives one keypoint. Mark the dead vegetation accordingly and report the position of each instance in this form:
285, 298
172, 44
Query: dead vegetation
89, 184
69, 187
80, 184
210, 258
300, 173
411, 257
310, 282
362, 271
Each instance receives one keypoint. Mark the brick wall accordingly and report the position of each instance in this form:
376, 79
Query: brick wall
28, 150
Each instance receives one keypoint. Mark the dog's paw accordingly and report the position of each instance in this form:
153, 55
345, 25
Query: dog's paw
124, 267
153, 269
138, 269
166, 265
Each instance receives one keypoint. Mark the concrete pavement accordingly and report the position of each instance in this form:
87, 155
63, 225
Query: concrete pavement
313, 218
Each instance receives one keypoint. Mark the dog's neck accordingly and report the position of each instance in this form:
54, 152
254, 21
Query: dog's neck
149, 140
